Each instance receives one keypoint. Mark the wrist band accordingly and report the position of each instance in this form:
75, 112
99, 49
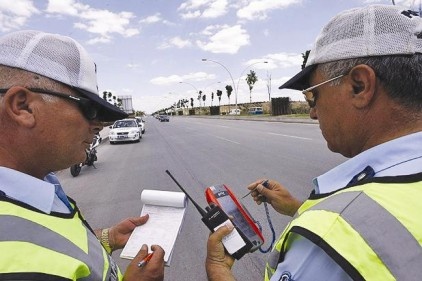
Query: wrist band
104, 240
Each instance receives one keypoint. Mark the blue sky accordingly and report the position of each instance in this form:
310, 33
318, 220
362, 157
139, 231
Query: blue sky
144, 48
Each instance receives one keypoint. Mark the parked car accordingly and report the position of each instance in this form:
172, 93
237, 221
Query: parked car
164, 118
234, 111
256, 110
141, 123
125, 130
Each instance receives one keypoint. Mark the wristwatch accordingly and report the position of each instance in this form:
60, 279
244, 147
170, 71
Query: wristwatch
104, 240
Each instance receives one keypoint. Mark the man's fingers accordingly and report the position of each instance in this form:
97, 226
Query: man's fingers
140, 220
158, 252
221, 232
143, 252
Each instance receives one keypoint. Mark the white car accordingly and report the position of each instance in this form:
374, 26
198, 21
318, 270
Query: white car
125, 130
141, 123
234, 111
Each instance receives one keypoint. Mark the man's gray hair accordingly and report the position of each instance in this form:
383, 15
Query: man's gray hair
401, 76
10, 76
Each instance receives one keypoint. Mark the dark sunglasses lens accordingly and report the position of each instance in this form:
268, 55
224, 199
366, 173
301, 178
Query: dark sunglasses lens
310, 98
89, 110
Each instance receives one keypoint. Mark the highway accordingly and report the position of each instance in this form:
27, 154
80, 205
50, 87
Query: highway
199, 153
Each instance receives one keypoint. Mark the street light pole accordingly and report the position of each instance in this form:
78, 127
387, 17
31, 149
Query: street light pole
234, 86
197, 92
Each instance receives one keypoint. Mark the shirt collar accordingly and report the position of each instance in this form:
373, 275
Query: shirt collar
27, 189
380, 158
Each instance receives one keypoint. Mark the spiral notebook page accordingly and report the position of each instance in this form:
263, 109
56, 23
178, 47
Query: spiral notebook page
166, 211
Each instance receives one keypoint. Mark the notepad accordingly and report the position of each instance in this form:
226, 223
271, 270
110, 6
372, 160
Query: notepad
166, 211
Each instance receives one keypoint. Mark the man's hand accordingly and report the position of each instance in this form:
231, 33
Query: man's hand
218, 262
153, 270
120, 233
275, 194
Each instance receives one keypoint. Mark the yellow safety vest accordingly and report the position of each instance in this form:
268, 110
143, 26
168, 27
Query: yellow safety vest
39, 246
372, 230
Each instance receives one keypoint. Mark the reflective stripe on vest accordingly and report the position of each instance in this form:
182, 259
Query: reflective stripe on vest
381, 243
396, 238
17, 229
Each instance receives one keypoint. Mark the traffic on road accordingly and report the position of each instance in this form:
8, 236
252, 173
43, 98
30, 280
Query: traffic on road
200, 153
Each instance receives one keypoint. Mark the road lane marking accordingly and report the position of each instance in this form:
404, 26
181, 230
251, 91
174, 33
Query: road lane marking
289, 136
227, 140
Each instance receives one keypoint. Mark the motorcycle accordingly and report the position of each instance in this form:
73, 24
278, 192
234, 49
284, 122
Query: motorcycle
91, 157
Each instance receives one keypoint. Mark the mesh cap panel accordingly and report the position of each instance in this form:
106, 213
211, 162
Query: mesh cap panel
57, 57
375, 30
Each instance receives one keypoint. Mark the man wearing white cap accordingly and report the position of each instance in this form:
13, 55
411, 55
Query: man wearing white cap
50, 111
363, 82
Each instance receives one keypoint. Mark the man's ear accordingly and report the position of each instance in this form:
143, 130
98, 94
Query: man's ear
19, 106
363, 79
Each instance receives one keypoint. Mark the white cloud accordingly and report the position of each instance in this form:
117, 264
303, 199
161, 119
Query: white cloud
65, 7
175, 42
228, 39
203, 9
258, 9
283, 60
152, 19
15, 13
191, 15
102, 23
216, 9
172, 79
179, 42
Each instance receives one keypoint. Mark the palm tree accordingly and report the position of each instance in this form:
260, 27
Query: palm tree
229, 90
108, 96
219, 94
199, 99
251, 79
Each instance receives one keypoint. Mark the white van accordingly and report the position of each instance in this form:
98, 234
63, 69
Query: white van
234, 111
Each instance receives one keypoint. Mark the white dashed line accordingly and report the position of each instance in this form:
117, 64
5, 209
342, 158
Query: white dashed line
227, 140
288, 136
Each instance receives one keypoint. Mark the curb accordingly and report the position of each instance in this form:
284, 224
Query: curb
260, 118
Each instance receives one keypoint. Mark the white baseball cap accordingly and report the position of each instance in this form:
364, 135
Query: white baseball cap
375, 30
60, 58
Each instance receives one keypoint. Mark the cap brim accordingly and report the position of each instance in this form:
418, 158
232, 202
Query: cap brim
300, 80
107, 112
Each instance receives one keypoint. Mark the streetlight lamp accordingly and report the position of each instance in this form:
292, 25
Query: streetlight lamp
235, 88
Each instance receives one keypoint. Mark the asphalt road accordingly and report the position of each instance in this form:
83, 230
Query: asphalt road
199, 153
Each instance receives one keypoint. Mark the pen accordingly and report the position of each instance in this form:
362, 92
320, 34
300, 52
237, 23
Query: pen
145, 260
264, 183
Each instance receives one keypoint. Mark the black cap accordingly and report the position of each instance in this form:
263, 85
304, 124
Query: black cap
300, 80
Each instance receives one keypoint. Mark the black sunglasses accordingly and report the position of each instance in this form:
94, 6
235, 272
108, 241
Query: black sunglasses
88, 108
311, 97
